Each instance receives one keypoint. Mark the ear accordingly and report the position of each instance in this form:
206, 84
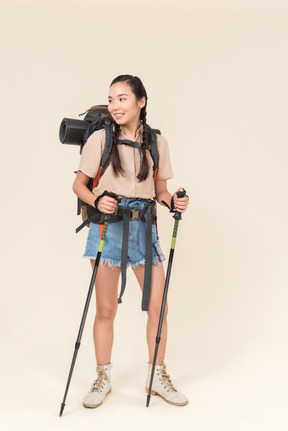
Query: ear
142, 102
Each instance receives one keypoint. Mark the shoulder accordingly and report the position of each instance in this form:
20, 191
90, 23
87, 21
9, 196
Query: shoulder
96, 137
165, 169
161, 139
162, 143
95, 142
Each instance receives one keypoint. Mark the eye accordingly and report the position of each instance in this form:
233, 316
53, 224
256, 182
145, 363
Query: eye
109, 101
122, 98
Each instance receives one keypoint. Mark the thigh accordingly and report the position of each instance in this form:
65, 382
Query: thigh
106, 285
157, 285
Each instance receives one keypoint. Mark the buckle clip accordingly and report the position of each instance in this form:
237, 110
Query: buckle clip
135, 215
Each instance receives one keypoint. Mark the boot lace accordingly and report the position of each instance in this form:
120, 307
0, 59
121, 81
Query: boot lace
99, 383
165, 378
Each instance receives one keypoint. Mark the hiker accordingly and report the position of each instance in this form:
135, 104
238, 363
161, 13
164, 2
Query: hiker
129, 175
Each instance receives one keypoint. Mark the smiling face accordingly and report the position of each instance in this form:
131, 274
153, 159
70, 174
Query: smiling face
123, 105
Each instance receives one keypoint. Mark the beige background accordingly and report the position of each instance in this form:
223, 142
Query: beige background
216, 75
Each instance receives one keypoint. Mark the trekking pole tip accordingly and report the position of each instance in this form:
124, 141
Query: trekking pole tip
61, 410
148, 400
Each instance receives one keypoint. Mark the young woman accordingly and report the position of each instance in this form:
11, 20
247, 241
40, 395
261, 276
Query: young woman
130, 176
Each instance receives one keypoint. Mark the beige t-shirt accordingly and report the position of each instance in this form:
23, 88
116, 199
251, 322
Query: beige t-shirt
127, 185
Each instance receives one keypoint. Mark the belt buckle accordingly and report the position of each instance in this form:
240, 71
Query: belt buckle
135, 215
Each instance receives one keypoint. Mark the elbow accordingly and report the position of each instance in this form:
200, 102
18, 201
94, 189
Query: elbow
80, 183
157, 199
74, 187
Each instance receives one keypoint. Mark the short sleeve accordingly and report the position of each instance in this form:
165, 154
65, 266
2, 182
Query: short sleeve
165, 170
91, 154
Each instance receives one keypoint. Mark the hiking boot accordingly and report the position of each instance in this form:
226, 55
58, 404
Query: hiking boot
100, 387
163, 386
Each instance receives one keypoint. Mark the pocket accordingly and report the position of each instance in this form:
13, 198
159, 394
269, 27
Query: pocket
155, 236
159, 250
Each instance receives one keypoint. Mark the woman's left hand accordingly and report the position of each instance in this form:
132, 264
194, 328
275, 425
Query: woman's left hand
180, 204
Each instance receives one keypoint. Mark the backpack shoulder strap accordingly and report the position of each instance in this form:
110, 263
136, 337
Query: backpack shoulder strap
106, 153
154, 151
109, 145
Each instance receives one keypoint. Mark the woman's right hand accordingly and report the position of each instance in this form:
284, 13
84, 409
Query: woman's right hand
106, 204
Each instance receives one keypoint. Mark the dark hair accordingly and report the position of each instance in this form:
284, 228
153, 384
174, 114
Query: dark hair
138, 89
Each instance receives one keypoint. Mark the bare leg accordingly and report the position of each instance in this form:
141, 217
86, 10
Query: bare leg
106, 285
157, 288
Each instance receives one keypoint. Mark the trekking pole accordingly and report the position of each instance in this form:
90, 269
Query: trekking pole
90, 291
177, 216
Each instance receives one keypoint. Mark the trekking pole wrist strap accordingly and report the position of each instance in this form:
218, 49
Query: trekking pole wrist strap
97, 201
171, 210
179, 195
172, 207
105, 193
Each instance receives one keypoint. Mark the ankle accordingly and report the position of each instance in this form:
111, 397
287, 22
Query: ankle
159, 362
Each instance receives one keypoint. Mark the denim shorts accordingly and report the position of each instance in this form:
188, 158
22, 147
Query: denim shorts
111, 253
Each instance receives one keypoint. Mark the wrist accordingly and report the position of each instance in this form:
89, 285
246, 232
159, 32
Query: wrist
96, 202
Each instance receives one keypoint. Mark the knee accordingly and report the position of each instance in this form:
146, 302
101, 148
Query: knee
106, 313
154, 311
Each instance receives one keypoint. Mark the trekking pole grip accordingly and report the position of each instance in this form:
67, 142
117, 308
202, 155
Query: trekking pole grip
178, 215
113, 195
110, 194
107, 217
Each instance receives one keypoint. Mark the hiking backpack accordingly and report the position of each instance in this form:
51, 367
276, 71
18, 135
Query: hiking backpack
77, 132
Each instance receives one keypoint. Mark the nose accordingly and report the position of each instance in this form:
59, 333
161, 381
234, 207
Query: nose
113, 106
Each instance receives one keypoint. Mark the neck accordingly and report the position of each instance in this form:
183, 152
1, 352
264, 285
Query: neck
130, 130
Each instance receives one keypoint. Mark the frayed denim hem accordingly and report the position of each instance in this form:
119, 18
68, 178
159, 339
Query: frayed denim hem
142, 262
134, 265
109, 262
112, 264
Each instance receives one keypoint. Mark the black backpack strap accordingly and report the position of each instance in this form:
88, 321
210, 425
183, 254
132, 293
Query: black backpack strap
124, 253
154, 151
132, 144
108, 145
79, 204
82, 225
106, 153
148, 262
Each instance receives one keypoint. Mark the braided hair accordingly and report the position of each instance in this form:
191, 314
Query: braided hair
138, 89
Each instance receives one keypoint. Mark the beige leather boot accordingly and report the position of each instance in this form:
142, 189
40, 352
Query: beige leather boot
163, 386
100, 387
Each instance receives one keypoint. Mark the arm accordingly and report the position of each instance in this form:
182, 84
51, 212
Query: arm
106, 204
81, 190
162, 193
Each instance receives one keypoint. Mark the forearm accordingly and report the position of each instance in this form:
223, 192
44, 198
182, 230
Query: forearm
165, 196
82, 191
106, 204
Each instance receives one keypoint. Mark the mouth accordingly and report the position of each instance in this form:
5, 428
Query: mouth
118, 116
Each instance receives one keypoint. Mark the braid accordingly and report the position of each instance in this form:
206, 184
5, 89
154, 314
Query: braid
144, 169
115, 158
